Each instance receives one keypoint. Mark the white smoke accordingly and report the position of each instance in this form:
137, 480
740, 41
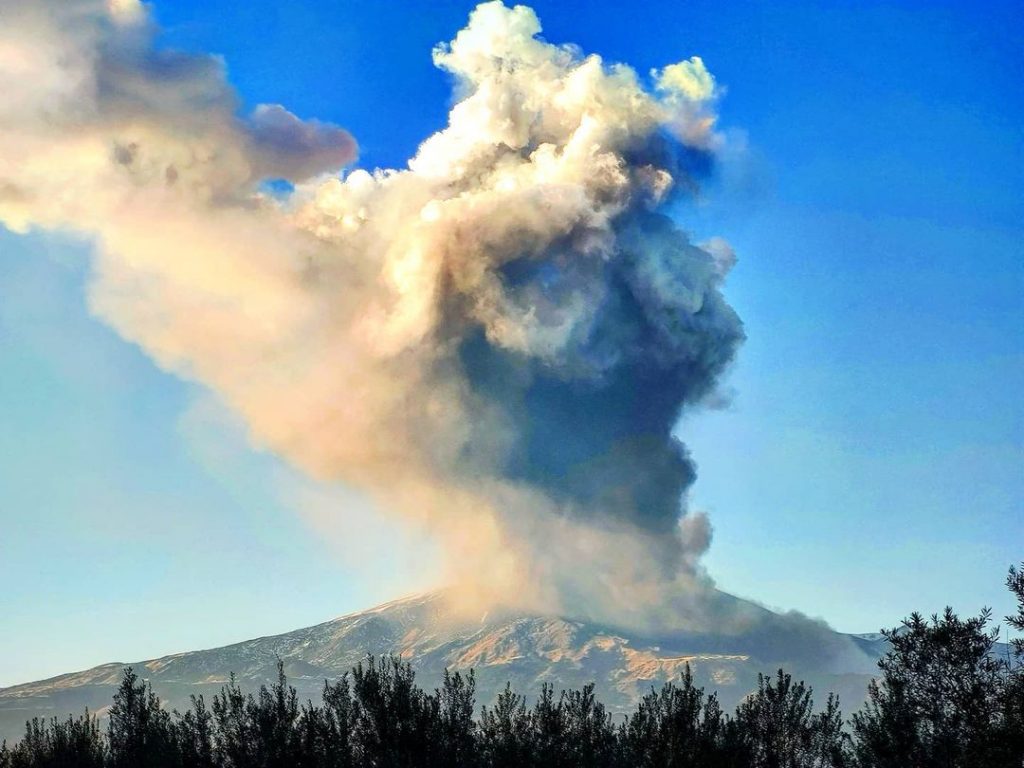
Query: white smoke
495, 341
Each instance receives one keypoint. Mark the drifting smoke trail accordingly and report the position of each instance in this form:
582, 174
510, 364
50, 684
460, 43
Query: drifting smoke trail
497, 340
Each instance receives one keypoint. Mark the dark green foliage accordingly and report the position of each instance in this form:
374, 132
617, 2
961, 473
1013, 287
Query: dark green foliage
71, 743
140, 734
942, 700
256, 732
777, 727
1015, 583
548, 721
506, 732
676, 726
590, 738
337, 724
323, 732
378, 717
232, 735
394, 722
1013, 700
456, 703
195, 735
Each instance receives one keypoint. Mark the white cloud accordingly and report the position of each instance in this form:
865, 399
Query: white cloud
392, 329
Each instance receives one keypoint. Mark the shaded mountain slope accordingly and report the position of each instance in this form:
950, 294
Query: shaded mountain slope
520, 648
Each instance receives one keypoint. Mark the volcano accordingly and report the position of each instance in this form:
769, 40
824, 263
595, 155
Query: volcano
501, 646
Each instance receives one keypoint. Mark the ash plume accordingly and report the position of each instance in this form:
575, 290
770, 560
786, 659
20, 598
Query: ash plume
496, 340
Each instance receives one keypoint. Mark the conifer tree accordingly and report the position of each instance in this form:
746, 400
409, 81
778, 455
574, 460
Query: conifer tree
273, 716
72, 743
457, 704
939, 699
667, 726
195, 735
777, 727
549, 736
1015, 583
505, 734
139, 733
391, 716
1013, 696
233, 738
590, 737
337, 723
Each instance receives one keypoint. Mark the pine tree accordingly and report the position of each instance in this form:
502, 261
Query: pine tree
392, 718
1013, 696
139, 734
549, 736
71, 743
233, 738
194, 732
668, 728
590, 737
273, 716
457, 703
312, 740
337, 719
506, 733
777, 727
260, 731
1015, 583
939, 700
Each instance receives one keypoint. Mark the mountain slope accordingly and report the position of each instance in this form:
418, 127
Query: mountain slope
521, 648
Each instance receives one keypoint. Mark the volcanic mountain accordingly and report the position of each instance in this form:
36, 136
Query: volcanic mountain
524, 649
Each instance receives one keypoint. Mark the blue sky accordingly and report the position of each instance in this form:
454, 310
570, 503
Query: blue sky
869, 464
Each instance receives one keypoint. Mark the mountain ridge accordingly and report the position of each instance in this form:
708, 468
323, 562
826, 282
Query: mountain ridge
503, 645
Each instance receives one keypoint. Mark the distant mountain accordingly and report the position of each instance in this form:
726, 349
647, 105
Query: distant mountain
521, 648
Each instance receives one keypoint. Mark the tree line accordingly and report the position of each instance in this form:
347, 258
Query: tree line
942, 699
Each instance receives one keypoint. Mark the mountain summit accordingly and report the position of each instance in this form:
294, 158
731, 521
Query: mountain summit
524, 649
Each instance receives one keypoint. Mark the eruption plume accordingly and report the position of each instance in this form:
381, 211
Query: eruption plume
496, 340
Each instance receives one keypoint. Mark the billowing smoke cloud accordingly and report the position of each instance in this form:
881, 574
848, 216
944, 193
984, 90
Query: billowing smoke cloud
496, 340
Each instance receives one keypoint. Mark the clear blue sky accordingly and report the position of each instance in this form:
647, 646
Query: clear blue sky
871, 462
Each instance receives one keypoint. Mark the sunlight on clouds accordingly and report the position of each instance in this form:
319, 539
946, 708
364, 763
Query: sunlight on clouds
495, 342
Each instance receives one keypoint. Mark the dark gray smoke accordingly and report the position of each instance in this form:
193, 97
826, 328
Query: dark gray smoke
495, 341
594, 425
